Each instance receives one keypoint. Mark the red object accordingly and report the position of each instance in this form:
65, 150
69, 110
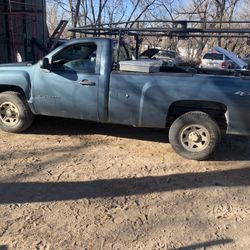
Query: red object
225, 64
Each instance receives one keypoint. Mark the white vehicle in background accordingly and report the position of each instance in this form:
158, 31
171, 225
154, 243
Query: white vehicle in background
168, 57
220, 58
215, 60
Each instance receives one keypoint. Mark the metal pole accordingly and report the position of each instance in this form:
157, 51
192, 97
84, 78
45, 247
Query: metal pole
137, 46
11, 28
118, 50
25, 33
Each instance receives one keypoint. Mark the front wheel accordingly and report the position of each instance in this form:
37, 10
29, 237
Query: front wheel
194, 135
15, 114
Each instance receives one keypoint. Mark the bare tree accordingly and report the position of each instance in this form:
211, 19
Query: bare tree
218, 10
54, 15
97, 12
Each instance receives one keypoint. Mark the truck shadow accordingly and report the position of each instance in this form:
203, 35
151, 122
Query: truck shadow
232, 148
61, 126
206, 245
29, 192
3, 248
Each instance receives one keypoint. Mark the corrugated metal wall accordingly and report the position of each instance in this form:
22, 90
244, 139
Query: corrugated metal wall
20, 21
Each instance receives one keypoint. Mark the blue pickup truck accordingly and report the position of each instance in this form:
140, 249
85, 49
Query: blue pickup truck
79, 80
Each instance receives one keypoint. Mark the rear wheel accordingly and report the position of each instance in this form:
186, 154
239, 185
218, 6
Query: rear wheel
15, 114
194, 135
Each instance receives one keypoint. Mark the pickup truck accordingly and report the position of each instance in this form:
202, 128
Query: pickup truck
78, 80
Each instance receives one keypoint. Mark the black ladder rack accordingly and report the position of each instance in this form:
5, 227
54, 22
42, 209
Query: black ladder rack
53, 40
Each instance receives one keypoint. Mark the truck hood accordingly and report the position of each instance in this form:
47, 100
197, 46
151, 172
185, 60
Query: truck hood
22, 64
25, 67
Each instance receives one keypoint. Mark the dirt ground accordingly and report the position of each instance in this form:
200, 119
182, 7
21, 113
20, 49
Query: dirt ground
67, 184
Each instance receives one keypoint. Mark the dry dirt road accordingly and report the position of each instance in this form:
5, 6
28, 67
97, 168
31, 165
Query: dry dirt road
67, 184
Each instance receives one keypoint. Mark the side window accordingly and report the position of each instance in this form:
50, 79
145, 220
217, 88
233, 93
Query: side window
79, 58
125, 51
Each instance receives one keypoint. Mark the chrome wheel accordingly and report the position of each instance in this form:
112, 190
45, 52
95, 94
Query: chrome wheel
9, 114
195, 138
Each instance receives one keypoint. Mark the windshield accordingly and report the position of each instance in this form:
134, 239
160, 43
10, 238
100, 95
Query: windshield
149, 53
170, 54
213, 56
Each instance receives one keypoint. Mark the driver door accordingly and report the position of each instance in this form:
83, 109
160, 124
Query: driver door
70, 89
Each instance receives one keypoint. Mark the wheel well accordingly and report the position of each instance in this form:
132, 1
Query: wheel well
4, 88
215, 109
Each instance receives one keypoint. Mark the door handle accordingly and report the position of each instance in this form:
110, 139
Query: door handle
87, 82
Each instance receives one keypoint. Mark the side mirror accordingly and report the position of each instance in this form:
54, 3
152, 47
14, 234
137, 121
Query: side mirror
44, 63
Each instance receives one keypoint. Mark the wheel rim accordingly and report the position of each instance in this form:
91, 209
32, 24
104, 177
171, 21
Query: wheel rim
195, 138
9, 114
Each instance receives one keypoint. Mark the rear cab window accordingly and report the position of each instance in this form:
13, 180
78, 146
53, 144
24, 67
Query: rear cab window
213, 56
125, 51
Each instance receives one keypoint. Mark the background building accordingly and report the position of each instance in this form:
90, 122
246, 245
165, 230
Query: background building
20, 22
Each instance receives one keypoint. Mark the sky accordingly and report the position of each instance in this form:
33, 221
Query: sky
177, 3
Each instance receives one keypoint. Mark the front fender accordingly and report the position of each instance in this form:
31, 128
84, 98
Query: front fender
10, 80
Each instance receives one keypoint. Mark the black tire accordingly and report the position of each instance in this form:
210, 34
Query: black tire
22, 114
194, 135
